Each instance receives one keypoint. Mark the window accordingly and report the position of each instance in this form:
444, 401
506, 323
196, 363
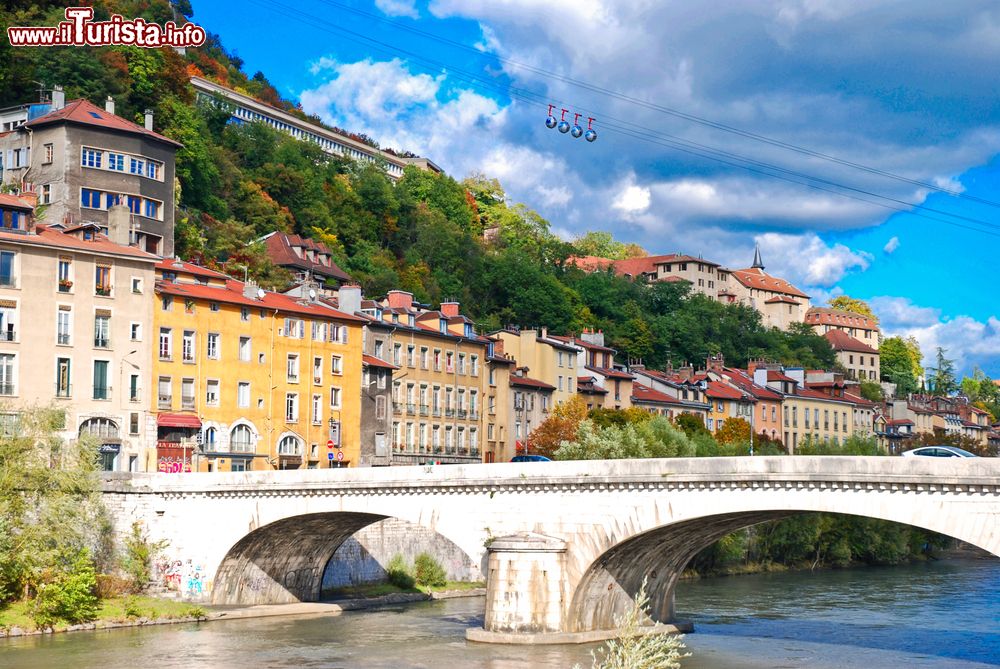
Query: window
187, 346
241, 440
90, 157
63, 388
102, 280
290, 445
243, 394
213, 306
7, 268
64, 275
90, 199
379, 349
64, 327
134, 203
136, 285
136, 165
187, 394
166, 344
317, 409
461, 363
317, 370
336, 364
150, 208
295, 328
164, 392
102, 330
244, 314
380, 407
133, 388
424, 354
102, 390
397, 354
292, 368
559, 358
212, 346
245, 349
116, 162
166, 302
212, 392
291, 407
474, 365
334, 397
152, 169
411, 355
133, 423
47, 154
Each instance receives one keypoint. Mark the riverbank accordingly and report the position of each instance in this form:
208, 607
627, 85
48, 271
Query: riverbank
144, 611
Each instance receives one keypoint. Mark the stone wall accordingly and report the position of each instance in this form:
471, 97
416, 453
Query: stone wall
364, 556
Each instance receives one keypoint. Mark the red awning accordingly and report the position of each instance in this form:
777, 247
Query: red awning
372, 361
187, 420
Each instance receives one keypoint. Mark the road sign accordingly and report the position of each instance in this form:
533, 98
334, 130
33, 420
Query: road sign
340, 455
329, 443
329, 456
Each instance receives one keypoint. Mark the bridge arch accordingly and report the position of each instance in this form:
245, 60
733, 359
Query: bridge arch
660, 554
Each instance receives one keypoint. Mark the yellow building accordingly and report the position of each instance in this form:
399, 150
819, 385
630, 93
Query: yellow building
547, 359
809, 414
251, 380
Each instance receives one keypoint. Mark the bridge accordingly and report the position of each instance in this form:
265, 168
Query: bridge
563, 546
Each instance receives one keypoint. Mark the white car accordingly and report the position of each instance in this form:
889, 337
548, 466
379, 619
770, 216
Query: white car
939, 452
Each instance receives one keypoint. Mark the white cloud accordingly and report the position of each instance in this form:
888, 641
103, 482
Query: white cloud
632, 199
399, 8
899, 313
808, 260
891, 245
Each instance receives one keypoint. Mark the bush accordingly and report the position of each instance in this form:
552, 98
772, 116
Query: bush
398, 573
70, 596
131, 607
140, 553
110, 586
429, 571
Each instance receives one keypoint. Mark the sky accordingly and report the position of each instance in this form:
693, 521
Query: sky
906, 90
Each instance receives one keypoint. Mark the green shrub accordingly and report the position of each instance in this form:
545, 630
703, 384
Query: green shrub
429, 571
70, 596
140, 553
131, 607
398, 573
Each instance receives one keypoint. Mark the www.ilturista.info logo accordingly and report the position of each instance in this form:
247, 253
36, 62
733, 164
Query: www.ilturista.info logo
80, 30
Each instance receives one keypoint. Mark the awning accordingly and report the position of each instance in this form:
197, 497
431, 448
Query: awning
186, 420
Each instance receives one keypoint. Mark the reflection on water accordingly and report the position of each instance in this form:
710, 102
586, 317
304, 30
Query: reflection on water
928, 616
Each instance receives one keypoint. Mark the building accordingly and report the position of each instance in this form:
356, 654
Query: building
767, 413
309, 261
445, 373
700, 274
376, 381
727, 401
598, 380
547, 359
245, 109
248, 379
779, 302
81, 160
861, 361
655, 402
680, 386
807, 413
862, 328
75, 323
531, 402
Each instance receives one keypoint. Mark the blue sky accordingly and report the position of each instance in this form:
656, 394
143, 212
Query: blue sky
907, 88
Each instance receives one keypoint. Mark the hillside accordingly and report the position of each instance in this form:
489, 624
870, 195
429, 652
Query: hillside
423, 234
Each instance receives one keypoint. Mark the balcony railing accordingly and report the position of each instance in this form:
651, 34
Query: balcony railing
424, 410
436, 411
462, 413
164, 401
64, 390
397, 407
473, 414
241, 446
102, 392
411, 408
293, 378
449, 413
102, 342
62, 339
6, 388
8, 334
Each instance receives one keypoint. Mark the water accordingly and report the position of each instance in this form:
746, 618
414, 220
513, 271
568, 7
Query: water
934, 616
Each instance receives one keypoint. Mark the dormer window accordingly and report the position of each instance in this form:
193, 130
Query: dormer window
469, 332
395, 318
411, 320
444, 326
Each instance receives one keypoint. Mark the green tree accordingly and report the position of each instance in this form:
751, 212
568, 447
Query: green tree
853, 305
896, 365
872, 391
943, 379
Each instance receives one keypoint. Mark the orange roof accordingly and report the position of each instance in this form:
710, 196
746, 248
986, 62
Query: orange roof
232, 293
758, 279
372, 361
99, 245
644, 394
590, 263
635, 266
530, 383
841, 341
741, 379
86, 113
777, 299
828, 316
178, 265
723, 391
7, 200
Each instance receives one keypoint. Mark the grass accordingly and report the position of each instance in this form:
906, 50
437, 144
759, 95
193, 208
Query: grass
366, 590
114, 610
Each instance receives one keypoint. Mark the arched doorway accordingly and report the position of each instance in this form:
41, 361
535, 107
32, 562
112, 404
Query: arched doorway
105, 432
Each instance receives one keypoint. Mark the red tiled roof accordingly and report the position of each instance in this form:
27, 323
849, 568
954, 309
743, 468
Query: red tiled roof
643, 394
816, 395
7, 200
590, 263
530, 383
778, 299
899, 421
775, 375
576, 341
610, 373
635, 266
182, 266
585, 384
758, 279
233, 294
372, 361
721, 390
87, 113
828, 316
742, 379
841, 341
99, 245
280, 249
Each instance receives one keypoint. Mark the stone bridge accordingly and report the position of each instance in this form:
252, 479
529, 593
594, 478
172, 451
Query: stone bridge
563, 546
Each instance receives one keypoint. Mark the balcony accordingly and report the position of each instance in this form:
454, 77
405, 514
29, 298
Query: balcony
103, 291
135, 396
64, 390
241, 447
164, 401
102, 392
293, 378
102, 342
449, 413
411, 408
62, 339
8, 334
6, 389
436, 411
462, 413
473, 415
397, 408
424, 410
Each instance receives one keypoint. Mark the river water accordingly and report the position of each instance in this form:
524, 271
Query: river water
928, 616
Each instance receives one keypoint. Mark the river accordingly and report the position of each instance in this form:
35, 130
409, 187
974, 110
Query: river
928, 616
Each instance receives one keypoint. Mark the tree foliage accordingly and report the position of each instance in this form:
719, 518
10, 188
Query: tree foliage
853, 305
897, 365
561, 425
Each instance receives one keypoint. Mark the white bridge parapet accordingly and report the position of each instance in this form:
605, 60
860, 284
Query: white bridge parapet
265, 537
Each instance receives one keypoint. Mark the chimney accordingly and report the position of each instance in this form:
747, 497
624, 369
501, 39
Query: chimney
109, 105
119, 219
498, 346
58, 97
592, 337
250, 290
715, 363
798, 374
29, 197
685, 372
760, 376
149, 119
349, 298
400, 299
545, 332
450, 309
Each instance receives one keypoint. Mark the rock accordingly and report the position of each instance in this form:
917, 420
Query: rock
15, 631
